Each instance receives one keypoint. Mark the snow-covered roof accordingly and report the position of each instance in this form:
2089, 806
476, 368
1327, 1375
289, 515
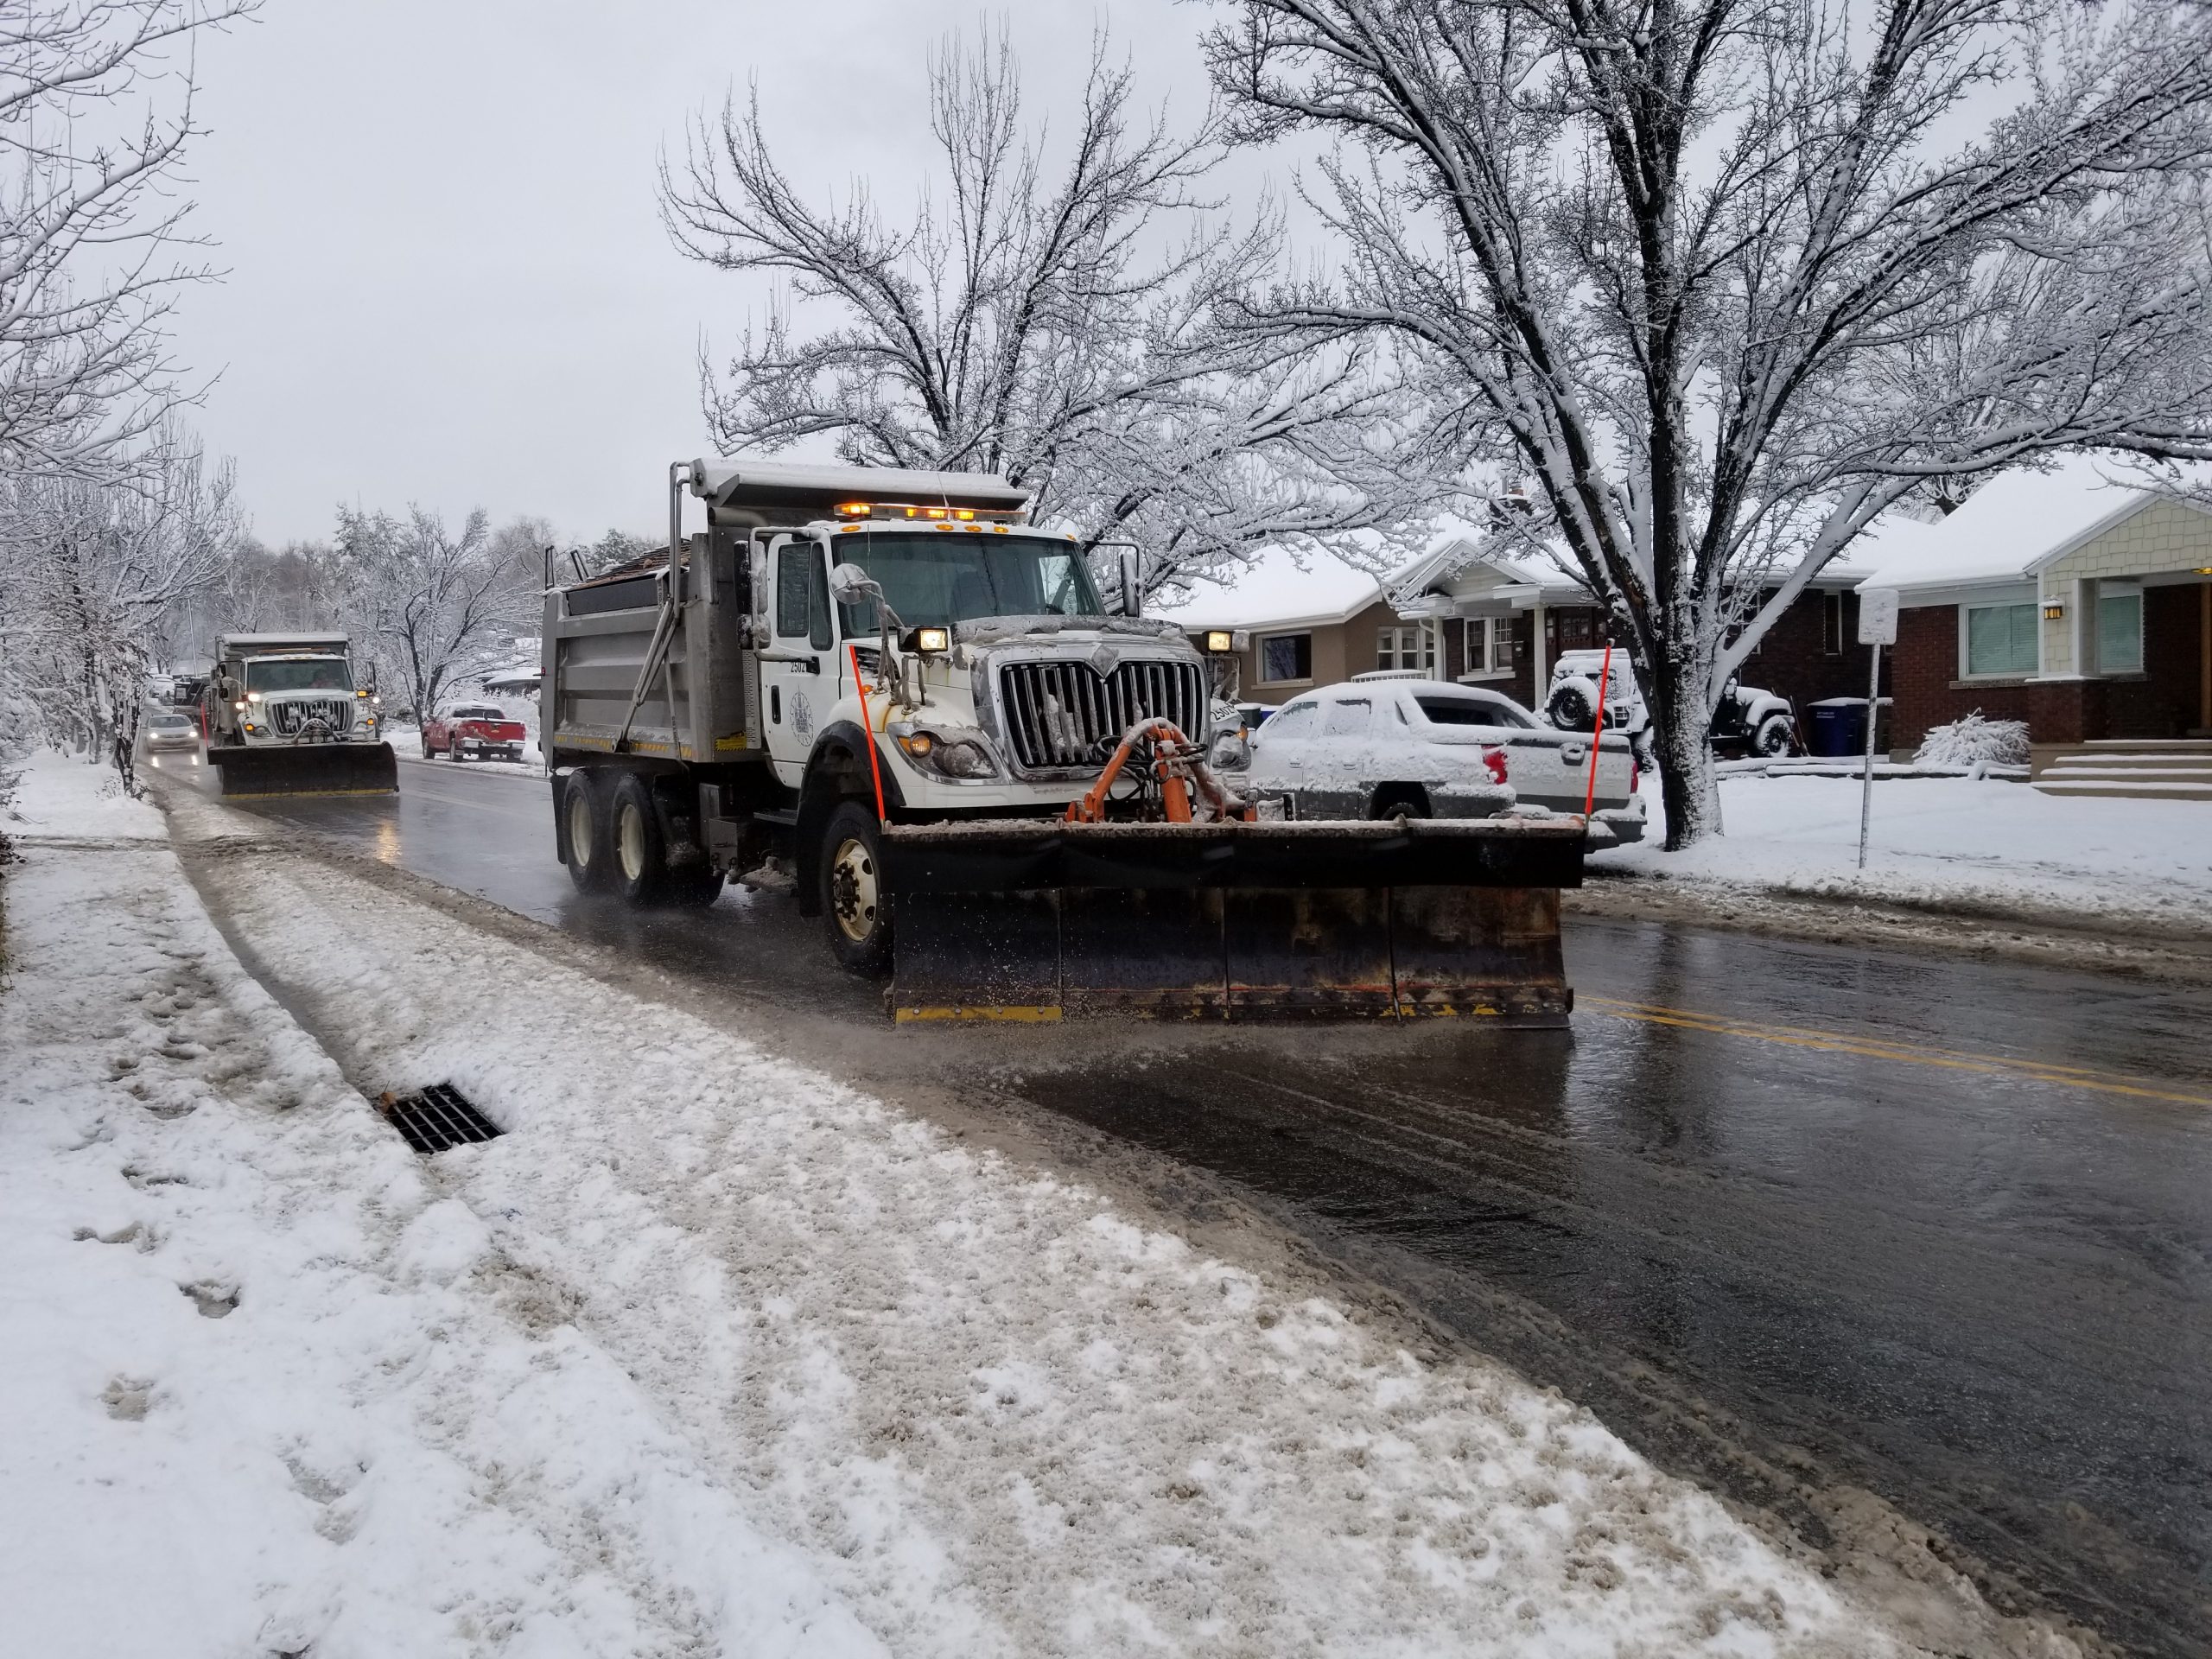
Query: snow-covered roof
2007, 530
1276, 588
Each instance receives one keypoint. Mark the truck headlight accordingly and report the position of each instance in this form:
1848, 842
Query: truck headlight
963, 755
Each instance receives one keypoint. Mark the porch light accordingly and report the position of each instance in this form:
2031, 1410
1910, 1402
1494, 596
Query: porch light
2054, 611
1219, 639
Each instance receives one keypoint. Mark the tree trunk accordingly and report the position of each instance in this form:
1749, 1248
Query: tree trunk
1688, 788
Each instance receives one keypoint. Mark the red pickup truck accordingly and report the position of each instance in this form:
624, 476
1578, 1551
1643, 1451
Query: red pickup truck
472, 728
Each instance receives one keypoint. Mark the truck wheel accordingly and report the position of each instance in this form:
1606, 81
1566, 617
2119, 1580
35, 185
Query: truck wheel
583, 828
640, 867
1772, 737
1571, 709
855, 904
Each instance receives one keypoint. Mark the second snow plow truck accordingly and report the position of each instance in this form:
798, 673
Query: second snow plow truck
282, 716
987, 787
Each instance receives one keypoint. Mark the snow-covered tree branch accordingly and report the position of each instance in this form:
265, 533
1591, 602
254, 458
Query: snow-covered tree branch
95, 115
1058, 324
1726, 279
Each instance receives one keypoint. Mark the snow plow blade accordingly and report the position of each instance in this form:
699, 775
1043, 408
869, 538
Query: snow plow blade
308, 769
1401, 919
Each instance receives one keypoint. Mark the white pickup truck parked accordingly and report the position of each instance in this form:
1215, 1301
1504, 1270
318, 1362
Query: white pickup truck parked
1424, 748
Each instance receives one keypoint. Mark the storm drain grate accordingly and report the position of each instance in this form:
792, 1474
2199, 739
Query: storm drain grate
437, 1118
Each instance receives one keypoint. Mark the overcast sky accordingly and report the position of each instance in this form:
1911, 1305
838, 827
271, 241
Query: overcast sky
448, 282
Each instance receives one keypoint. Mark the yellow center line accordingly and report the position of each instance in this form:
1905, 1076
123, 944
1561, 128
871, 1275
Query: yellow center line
1876, 1049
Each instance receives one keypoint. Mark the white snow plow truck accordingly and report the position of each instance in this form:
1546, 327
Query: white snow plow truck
986, 787
283, 715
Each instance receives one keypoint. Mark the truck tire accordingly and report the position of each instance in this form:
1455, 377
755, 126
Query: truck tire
583, 832
1572, 708
856, 909
1772, 737
639, 869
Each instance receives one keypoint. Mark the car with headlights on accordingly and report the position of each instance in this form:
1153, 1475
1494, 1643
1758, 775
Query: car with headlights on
168, 741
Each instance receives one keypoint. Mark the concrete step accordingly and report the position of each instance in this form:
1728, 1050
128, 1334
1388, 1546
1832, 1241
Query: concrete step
2198, 774
2129, 761
2124, 789
2148, 745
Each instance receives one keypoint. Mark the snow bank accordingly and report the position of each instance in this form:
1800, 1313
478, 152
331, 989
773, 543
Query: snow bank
268, 1387
65, 795
1002, 1418
1998, 848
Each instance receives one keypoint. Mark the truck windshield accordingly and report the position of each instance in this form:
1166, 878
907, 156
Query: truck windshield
312, 673
933, 579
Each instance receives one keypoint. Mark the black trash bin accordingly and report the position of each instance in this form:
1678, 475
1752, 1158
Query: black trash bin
1839, 727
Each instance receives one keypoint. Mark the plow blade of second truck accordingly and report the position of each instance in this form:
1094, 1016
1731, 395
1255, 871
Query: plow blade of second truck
307, 769
1398, 919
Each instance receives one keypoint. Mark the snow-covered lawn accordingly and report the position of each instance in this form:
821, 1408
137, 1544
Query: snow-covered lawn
705, 1355
1998, 848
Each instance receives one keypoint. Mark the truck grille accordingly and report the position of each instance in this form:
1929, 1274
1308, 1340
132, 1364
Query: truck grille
293, 717
1065, 714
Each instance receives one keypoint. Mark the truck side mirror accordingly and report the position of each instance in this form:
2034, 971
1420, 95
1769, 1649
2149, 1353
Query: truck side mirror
849, 584
1130, 600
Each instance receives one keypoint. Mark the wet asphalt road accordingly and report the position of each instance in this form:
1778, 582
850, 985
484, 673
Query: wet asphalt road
1793, 1219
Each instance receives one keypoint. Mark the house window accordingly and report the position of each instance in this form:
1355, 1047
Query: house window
2001, 640
1286, 657
1489, 645
2119, 633
1574, 632
1831, 624
1412, 646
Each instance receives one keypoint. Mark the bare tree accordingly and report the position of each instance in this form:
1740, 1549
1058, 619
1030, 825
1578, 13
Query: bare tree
93, 576
1058, 326
1725, 278
95, 115
426, 607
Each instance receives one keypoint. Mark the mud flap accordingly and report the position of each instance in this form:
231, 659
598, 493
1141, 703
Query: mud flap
307, 769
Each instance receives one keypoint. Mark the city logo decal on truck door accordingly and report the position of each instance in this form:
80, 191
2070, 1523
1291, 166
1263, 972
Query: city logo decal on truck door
802, 715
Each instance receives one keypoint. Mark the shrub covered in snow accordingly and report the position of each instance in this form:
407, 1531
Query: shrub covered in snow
1974, 742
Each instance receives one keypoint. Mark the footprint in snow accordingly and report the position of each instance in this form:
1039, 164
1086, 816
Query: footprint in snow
127, 1398
214, 1302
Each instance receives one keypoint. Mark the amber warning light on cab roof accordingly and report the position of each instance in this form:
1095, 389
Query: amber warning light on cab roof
902, 509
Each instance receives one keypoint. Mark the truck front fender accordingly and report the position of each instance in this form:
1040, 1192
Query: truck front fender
837, 770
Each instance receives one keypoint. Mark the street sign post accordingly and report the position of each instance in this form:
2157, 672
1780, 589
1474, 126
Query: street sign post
1878, 626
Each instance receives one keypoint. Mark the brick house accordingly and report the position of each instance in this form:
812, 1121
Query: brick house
1460, 613
1504, 621
2082, 606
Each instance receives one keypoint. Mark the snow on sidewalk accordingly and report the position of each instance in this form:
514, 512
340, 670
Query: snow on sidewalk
2000, 849
1000, 1416
265, 1390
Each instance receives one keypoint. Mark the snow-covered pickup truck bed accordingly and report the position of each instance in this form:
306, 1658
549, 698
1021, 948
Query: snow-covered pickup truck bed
1431, 749
473, 729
